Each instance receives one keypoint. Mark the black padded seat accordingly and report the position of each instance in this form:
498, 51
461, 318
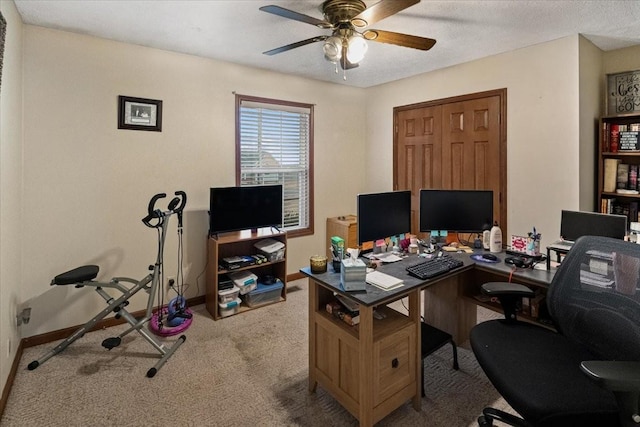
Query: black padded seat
433, 339
77, 275
543, 358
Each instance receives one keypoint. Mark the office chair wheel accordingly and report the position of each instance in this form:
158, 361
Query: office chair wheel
484, 422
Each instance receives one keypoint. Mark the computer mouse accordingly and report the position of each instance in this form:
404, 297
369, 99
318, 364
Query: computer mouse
490, 257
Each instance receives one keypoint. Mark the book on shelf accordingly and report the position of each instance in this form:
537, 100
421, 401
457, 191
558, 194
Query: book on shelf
633, 211
606, 142
341, 312
614, 137
633, 177
622, 178
629, 141
613, 206
610, 174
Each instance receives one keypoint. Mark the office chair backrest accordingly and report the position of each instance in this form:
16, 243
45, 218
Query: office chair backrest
594, 298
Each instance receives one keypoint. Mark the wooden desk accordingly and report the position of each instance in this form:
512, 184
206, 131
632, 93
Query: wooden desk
374, 367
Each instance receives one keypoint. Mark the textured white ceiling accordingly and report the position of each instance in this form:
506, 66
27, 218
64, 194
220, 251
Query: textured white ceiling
238, 32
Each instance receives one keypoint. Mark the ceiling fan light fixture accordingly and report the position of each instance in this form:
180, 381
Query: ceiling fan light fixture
332, 49
357, 48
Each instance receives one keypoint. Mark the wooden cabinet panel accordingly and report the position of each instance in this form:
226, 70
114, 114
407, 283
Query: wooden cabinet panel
345, 227
394, 364
349, 369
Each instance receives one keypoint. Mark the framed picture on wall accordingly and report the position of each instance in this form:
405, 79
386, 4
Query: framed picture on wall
139, 113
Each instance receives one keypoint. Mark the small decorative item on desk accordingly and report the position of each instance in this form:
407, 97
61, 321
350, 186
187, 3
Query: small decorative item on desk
337, 251
318, 264
533, 243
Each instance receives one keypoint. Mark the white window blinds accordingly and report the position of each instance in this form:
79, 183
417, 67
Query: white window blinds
274, 148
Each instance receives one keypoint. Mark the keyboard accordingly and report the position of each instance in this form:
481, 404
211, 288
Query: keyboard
434, 267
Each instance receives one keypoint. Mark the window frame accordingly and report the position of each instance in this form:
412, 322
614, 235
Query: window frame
309, 230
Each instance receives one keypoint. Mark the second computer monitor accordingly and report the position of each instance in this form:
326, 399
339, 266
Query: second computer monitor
574, 224
462, 211
382, 215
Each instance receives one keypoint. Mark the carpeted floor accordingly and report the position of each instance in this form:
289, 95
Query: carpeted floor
245, 370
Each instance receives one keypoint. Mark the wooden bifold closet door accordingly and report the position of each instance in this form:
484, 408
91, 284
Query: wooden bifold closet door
456, 143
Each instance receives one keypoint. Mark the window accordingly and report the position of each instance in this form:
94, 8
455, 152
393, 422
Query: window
274, 145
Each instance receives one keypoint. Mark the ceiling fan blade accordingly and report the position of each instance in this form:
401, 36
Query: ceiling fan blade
295, 45
381, 10
399, 39
290, 14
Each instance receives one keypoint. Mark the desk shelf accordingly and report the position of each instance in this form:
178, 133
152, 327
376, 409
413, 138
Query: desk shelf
521, 317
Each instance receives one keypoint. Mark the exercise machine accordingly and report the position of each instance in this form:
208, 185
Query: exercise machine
152, 284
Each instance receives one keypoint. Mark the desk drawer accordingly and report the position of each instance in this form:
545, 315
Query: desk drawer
394, 364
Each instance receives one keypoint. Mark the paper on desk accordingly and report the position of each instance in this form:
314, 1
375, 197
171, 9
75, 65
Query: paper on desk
391, 258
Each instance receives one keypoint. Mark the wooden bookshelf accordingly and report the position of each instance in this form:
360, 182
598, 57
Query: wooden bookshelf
610, 148
241, 243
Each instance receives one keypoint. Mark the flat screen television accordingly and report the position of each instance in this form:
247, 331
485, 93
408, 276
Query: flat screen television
242, 208
460, 211
382, 215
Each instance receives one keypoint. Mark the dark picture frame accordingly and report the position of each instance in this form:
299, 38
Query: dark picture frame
139, 113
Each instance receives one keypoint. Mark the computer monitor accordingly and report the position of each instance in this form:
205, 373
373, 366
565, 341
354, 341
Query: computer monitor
574, 224
461, 211
382, 215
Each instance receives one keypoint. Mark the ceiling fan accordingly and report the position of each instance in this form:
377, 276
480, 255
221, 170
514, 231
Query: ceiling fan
347, 45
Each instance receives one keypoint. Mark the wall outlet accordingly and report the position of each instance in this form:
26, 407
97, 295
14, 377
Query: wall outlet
171, 281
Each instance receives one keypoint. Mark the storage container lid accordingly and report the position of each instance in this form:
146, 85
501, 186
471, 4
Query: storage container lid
262, 288
269, 245
231, 291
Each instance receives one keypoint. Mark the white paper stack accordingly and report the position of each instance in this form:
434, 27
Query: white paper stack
383, 280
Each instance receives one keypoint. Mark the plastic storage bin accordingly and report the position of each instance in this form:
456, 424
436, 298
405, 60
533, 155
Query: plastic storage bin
264, 294
228, 295
271, 248
245, 280
229, 308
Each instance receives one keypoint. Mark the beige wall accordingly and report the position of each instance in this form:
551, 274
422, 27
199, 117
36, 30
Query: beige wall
87, 184
10, 188
591, 90
542, 130
622, 60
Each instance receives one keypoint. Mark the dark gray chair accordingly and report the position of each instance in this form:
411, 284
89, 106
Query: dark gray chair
433, 339
587, 373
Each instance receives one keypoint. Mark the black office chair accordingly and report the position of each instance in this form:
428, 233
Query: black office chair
433, 339
588, 372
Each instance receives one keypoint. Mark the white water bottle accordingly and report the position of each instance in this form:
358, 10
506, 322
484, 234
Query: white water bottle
495, 245
486, 239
